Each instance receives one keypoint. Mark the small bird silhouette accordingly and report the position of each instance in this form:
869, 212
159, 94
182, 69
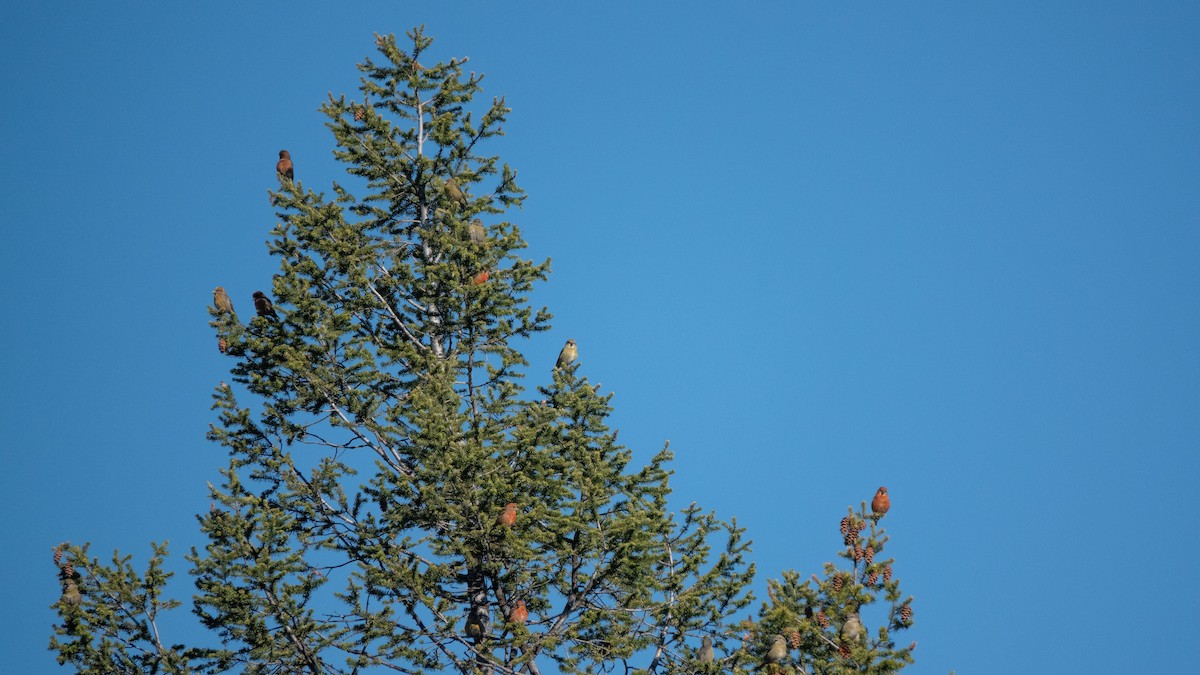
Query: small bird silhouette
519, 614
568, 354
455, 192
778, 651
478, 233
71, 594
508, 517
852, 630
706, 650
222, 301
284, 168
881, 502
262, 305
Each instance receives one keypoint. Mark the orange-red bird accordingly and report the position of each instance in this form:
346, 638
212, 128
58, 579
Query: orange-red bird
507, 517
481, 278
283, 168
881, 503
519, 614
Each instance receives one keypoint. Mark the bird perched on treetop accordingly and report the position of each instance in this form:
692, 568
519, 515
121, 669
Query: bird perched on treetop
455, 192
222, 301
284, 168
519, 614
262, 305
852, 630
71, 594
881, 502
779, 650
508, 517
706, 650
568, 354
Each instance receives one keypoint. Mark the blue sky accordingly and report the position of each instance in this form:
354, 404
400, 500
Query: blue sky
951, 248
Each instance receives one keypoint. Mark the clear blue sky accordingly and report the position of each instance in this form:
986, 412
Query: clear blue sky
951, 248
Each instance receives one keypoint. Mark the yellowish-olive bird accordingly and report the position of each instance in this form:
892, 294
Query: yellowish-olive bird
568, 354
706, 650
478, 233
455, 192
71, 594
852, 630
222, 301
778, 651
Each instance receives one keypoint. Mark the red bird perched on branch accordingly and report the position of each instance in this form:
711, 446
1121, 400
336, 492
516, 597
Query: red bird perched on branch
519, 614
881, 503
508, 517
262, 305
284, 168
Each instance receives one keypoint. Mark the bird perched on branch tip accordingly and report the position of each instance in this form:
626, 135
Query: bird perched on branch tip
568, 354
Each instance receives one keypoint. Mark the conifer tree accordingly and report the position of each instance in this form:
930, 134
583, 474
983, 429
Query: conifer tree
395, 499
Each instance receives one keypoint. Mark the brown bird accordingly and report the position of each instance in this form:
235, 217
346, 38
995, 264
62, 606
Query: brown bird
706, 650
478, 232
778, 651
852, 630
455, 192
222, 301
474, 626
71, 594
222, 345
881, 503
284, 168
508, 517
568, 354
262, 305
519, 614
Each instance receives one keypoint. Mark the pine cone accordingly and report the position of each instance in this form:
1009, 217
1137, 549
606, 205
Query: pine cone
858, 553
872, 577
845, 525
869, 554
794, 639
57, 555
844, 651
837, 582
906, 614
850, 538
68, 570
822, 620
358, 113
887, 574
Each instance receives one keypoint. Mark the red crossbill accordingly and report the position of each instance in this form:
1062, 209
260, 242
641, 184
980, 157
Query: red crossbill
284, 168
262, 305
881, 502
507, 517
